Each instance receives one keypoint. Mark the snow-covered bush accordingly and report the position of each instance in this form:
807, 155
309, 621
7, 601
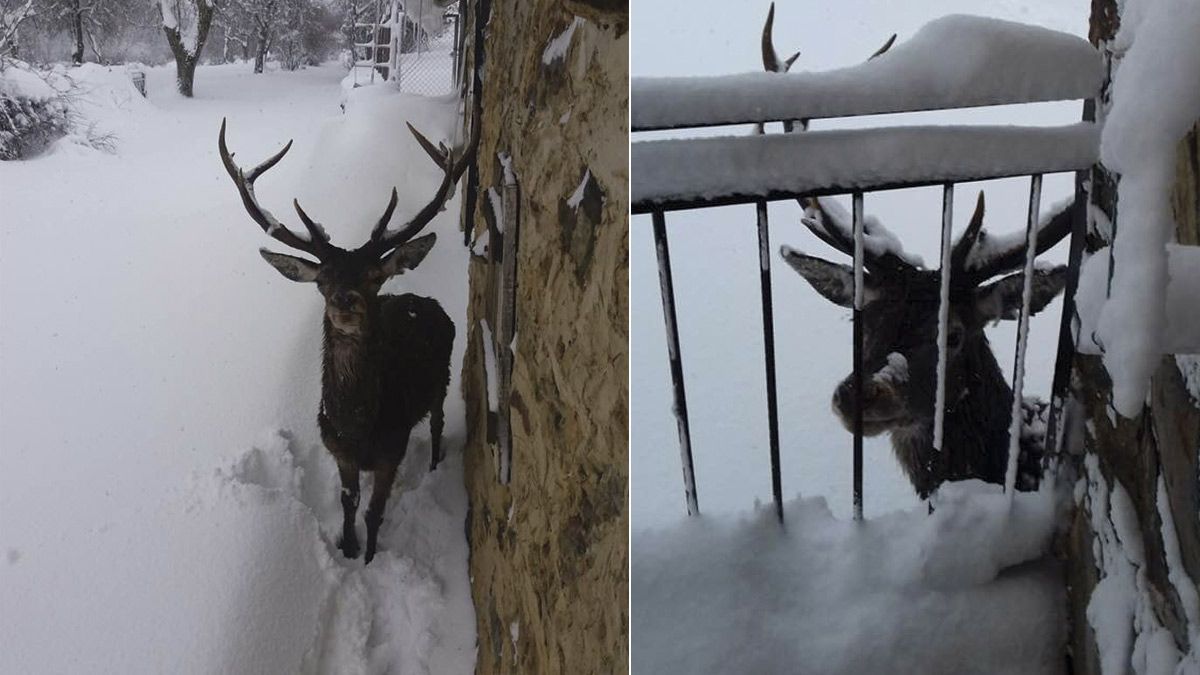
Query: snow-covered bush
32, 113
38, 107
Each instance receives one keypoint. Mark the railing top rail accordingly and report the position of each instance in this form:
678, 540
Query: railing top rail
678, 174
956, 61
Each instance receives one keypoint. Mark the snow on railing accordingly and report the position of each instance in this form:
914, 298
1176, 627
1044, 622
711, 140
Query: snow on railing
674, 173
994, 62
953, 62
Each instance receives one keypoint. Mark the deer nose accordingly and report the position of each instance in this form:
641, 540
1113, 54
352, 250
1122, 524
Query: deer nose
343, 300
843, 396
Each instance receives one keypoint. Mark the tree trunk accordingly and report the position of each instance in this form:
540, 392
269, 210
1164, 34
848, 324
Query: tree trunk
77, 28
185, 59
260, 55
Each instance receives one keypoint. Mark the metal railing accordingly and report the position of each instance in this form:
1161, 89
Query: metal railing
657, 189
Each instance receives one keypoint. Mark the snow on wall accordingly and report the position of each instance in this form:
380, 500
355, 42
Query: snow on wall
1121, 610
1156, 96
1179, 332
907, 592
556, 49
746, 167
952, 62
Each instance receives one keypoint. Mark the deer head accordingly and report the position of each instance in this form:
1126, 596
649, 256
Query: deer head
350, 280
900, 310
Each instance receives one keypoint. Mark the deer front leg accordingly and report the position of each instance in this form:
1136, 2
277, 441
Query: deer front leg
349, 541
379, 495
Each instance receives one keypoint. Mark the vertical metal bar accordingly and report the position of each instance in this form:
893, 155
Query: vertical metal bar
1014, 429
858, 354
939, 407
1066, 338
681, 415
764, 266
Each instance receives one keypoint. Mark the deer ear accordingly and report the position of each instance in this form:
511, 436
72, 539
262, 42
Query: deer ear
296, 269
406, 256
834, 281
1002, 299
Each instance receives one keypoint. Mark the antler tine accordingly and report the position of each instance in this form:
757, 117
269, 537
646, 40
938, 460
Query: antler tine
245, 185
835, 231
825, 227
770, 57
382, 224
886, 46
315, 230
979, 268
452, 169
966, 243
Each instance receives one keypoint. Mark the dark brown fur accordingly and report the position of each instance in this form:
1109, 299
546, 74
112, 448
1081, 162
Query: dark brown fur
375, 387
900, 317
386, 362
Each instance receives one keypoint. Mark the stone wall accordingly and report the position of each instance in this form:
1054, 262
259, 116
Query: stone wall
549, 552
1123, 462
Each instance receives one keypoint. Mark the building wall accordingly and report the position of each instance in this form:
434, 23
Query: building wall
1121, 456
549, 552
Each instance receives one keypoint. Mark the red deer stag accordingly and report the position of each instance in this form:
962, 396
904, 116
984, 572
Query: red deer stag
900, 327
386, 360
900, 323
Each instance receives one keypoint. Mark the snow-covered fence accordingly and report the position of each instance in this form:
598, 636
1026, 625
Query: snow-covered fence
953, 62
416, 44
427, 61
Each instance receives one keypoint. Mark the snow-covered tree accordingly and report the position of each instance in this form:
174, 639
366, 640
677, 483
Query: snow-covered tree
186, 24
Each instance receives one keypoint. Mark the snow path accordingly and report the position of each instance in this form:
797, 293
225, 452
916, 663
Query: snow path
145, 346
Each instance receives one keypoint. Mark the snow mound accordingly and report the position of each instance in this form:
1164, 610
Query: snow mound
907, 592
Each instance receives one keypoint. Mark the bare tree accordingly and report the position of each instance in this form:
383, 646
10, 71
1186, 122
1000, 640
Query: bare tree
186, 24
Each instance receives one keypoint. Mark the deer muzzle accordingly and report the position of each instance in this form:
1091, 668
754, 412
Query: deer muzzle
882, 403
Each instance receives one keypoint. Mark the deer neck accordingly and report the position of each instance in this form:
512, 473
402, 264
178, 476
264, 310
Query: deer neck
974, 429
350, 379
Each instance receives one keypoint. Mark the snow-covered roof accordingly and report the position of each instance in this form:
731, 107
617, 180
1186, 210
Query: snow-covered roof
730, 170
956, 61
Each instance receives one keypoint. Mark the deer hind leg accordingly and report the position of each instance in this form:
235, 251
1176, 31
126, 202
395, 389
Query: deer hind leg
436, 421
384, 477
349, 540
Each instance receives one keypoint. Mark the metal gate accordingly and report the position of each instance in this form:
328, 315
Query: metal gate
662, 183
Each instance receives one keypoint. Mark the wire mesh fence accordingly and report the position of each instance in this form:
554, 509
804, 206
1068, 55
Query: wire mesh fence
428, 54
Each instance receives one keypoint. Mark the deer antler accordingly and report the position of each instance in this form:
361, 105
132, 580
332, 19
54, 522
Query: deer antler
315, 244
976, 258
833, 226
770, 57
453, 163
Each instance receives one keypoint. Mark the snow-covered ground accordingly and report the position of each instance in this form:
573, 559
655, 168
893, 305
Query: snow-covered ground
165, 504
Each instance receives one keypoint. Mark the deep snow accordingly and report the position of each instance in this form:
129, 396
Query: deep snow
903, 593
165, 505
